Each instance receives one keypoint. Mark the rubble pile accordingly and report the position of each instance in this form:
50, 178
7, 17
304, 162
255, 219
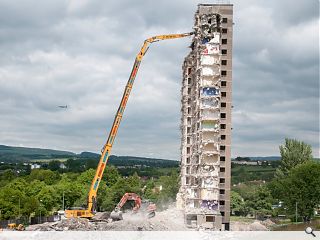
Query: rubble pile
245, 226
268, 223
76, 224
168, 220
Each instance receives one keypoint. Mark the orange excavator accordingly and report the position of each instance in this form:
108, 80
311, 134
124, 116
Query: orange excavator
147, 208
90, 210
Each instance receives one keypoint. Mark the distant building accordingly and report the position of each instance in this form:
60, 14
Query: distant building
35, 166
62, 166
253, 163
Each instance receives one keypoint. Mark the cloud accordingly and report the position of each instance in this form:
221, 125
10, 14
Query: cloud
80, 53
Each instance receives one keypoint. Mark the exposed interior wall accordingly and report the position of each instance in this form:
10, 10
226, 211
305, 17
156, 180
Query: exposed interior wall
203, 179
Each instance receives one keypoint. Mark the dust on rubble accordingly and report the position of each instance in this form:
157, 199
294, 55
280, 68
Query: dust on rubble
254, 226
171, 219
168, 220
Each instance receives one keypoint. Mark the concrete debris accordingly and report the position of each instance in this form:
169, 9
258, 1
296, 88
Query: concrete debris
168, 220
245, 226
101, 216
75, 224
268, 223
171, 219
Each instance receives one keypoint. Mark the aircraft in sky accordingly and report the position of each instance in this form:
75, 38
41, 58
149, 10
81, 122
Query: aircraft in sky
63, 106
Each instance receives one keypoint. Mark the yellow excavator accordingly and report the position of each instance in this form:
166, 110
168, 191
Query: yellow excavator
14, 226
89, 212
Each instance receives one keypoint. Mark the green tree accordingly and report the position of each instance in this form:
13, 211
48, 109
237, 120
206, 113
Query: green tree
111, 175
261, 203
35, 187
149, 192
170, 187
74, 165
293, 153
237, 204
86, 177
84, 180
301, 187
48, 198
48, 176
54, 165
18, 184
70, 189
9, 202
8, 175
91, 163
30, 206
258, 199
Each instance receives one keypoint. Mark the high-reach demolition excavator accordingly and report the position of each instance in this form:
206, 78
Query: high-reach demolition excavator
89, 212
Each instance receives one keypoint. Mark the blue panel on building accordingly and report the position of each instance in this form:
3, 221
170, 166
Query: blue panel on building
210, 91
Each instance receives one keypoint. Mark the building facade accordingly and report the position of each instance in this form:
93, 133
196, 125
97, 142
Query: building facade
204, 193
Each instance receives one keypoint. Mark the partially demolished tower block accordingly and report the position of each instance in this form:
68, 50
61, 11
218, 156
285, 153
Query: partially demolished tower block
206, 120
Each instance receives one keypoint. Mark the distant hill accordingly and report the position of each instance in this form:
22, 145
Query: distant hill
89, 155
22, 154
268, 158
131, 161
19, 154
141, 161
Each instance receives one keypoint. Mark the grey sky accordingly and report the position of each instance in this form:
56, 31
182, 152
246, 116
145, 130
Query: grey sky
80, 53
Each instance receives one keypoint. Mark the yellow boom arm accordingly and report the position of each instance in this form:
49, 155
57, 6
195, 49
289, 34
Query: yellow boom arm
89, 212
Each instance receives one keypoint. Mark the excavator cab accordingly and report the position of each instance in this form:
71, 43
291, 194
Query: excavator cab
14, 226
78, 212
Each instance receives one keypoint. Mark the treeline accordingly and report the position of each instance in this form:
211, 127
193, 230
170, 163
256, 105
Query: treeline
257, 190
295, 186
42, 191
145, 167
126, 167
245, 173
